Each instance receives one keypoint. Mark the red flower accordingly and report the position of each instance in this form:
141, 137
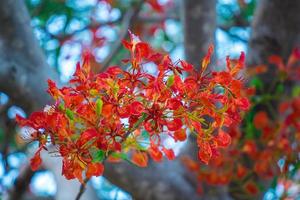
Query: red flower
180, 135
140, 159
169, 153
98, 115
261, 120
174, 125
137, 108
155, 153
94, 169
223, 139
36, 161
205, 151
251, 188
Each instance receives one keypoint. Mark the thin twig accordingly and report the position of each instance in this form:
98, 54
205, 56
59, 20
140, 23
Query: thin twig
8, 128
127, 22
82, 189
21, 184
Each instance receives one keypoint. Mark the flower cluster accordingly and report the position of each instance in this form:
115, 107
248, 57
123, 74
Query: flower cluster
125, 114
269, 135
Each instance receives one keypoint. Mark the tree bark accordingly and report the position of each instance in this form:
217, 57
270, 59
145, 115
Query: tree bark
23, 77
275, 31
199, 22
164, 180
23, 68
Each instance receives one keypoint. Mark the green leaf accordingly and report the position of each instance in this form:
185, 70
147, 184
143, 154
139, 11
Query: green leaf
70, 114
257, 83
123, 156
99, 105
1, 134
116, 89
98, 156
296, 91
170, 80
274, 182
280, 89
250, 131
61, 106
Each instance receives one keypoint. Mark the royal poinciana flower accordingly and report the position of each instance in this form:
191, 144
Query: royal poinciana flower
268, 136
123, 114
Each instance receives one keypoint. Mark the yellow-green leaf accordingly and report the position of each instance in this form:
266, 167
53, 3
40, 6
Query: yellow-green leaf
99, 105
70, 114
170, 80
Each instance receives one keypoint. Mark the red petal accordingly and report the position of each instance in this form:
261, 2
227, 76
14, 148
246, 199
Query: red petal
205, 152
94, 169
21, 120
186, 66
296, 53
140, 159
137, 108
114, 70
53, 90
127, 45
251, 188
277, 60
86, 136
155, 153
174, 125
173, 104
206, 59
142, 50
36, 161
241, 171
243, 103
169, 153
180, 135
223, 139
261, 120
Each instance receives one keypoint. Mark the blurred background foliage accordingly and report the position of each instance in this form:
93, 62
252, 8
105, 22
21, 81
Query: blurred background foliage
66, 28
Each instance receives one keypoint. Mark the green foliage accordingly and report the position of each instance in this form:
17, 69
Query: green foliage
98, 156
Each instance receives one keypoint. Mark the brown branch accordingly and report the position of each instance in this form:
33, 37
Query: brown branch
232, 35
21, 184
24, 70
82, 189
93, 25
157, 18
8, 127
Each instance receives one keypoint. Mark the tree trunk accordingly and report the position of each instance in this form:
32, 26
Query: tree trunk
23, 77
199, 22
24, 71
166, 180
275, 30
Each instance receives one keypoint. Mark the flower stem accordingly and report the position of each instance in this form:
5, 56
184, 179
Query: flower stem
82, 189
